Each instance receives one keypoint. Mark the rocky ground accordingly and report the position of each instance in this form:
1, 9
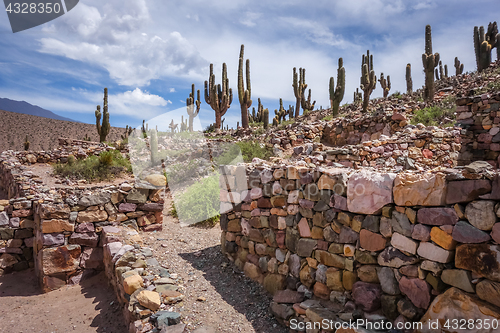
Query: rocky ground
218, 297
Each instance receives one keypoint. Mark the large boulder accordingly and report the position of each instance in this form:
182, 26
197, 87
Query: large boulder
368, 192
455, 304
426, 189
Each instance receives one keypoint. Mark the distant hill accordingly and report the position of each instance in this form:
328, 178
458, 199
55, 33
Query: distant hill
27, 108
43, 132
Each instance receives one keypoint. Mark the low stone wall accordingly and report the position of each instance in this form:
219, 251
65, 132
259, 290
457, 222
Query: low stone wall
142, 286
67, 147
341, 244
68, 237
480, 118
16, 235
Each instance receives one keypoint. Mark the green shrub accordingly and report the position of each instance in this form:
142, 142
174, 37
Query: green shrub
328, 118
107, 165
251, 149
433, 115
199, 203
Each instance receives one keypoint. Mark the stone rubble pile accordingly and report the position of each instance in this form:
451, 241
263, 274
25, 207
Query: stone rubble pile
343, 244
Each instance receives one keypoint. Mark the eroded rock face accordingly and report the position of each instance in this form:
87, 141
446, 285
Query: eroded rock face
419, 189
456, 304
368, 192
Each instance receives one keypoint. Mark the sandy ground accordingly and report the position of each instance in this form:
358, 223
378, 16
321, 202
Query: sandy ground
89, 307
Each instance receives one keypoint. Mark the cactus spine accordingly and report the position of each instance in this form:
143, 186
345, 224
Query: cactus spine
217, 96
103, 129
430, 61
299, 86
368, 78
244, 95
409, 81
337, 92
385, 84
459, 68
26, 143
191, 111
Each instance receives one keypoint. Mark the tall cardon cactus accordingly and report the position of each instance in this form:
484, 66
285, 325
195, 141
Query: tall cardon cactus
219, 97
336, 92
430, 61
409, 81
368, 78
385, 84
103, 129
244, 95
459, 68
190, 104
299, 87
483, 43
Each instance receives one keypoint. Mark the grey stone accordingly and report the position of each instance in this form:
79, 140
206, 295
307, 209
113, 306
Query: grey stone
95, 199
388, 281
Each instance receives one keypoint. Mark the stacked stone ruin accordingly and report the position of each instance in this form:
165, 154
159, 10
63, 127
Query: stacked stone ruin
69, 233
341, 244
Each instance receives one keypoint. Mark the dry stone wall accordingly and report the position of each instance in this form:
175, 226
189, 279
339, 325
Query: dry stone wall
480, 118
342, 244
68, 233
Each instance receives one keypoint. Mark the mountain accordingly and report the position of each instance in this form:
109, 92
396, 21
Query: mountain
27, 108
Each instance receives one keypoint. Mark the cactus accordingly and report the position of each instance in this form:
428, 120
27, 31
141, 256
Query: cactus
445, 70
153, 145
265, 118
191, 111
217, 96
103, 129
222, 123
299, 86
368, 78
244, 95
483, 43
26, 143
184, 125
430, 61
144, 129
86, 138
306, 103
128, 131
337, 92
357, 97
409, 81
459, 68
275, 121
173, 126
497, 45
385, 84
290, 112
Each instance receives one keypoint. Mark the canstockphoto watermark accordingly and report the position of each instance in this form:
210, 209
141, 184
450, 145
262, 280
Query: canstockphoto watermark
26, 14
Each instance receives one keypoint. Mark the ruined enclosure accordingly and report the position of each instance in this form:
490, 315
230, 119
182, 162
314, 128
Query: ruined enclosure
354, 238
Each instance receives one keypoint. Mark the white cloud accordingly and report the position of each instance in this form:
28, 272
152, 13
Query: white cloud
313, 30
172, 90
250, 18
424, 5
114, 39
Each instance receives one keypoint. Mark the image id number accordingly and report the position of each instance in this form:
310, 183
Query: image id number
32, 8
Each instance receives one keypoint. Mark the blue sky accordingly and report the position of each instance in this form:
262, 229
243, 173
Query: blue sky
148, 53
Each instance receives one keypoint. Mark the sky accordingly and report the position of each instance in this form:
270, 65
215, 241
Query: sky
149, 52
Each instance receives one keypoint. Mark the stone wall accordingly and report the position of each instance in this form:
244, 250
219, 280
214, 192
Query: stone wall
342, 244
69, 236
16, 235
480, 118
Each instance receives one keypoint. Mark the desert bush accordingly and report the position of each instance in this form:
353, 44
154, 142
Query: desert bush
199, 201
251, 149
106, 166
434, 116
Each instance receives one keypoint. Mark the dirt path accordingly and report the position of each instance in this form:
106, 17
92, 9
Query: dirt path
85, 308
218, 296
